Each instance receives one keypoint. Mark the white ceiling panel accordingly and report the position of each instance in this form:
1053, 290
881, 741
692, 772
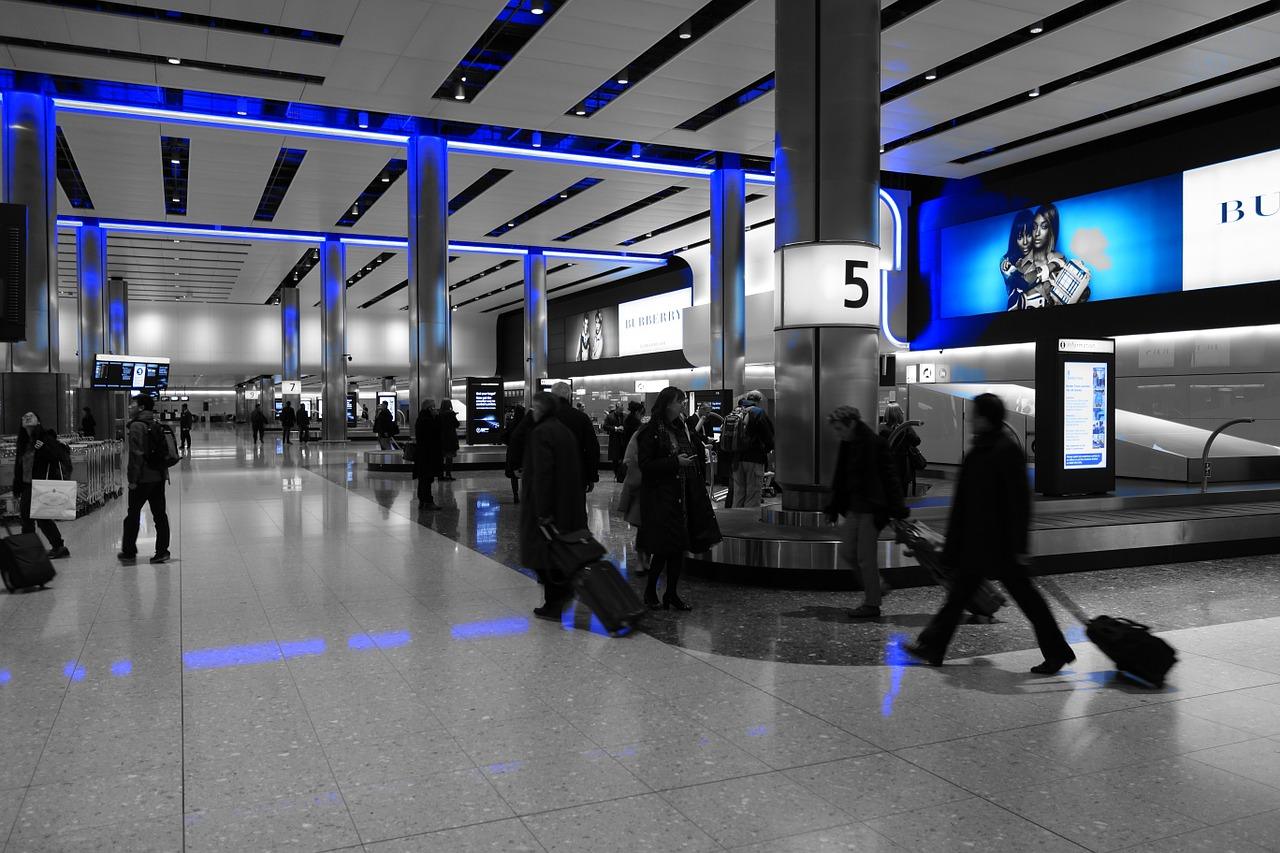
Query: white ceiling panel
239, 49
265, 11
330, 16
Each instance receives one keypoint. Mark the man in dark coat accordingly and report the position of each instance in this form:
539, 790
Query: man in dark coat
580, 426
258, 421
517, 436
552, 497
427, 458
384, 426
866, 492
987, 536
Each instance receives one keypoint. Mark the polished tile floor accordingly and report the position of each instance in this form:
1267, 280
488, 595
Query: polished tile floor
317, 670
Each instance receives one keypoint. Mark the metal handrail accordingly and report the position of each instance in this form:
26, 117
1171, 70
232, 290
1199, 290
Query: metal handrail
1204, 456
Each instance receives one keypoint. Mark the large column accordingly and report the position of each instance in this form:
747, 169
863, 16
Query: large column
429, 321
30, 176
333, 322
116, 316
827, 298
535, 323
290, 341
728, 276
91, 278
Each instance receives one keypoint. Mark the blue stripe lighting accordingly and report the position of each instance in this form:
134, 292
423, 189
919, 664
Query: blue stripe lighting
490, 628
380, 640
201, 231
251, 653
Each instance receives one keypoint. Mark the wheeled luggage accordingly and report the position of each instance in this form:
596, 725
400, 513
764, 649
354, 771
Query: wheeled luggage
925, 544
1132, 647
24, 561
601, 587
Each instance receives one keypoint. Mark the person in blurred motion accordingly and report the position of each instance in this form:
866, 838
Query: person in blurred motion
447, 423
987, 537
579, 424
865, 491
384, 426
39, 456
676, 515
552, 499
88, 424
258, 421
427, 459
705, 421
615, 427
903, 442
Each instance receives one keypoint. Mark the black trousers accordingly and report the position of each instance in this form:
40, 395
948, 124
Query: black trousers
186, 439
259, 433
47, 527
937, 636
286, 430
148, 494
554, 594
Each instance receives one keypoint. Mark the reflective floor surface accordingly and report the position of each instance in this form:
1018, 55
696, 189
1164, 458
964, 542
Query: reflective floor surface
317, 670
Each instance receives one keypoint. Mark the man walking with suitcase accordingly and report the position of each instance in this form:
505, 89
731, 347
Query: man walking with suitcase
147, 475
987, 536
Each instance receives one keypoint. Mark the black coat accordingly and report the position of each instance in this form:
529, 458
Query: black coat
900, 453
88, 426
675, 511
584, 433
447, 422
517, 438
427, 458
552, 488
991, 509
287, 417
384, 423
615, 426
52, 460
864, 480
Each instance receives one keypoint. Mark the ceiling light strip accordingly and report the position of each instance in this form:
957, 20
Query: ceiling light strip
514, 27
69, 175
545, 205
370, 195
620, 213
279, 180
194, 19
477, 188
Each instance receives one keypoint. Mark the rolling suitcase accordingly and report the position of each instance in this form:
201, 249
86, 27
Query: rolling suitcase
603, 589
24, 561
925, 544
1132, 647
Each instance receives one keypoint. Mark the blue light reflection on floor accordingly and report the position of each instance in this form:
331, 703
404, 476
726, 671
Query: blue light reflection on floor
757, 731
1075, 634
897, 659
490, 628
73, 671
121, 668
5, 676
251, 653
380, 640
485, 518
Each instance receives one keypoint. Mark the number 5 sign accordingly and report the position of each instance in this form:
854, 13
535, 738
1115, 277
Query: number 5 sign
827, 284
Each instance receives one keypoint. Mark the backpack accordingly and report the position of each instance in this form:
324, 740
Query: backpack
735, 432
162, 448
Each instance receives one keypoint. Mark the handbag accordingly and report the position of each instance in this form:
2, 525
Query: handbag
54, 500
569, 552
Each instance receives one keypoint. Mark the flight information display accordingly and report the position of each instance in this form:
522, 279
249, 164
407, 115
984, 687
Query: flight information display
131, 373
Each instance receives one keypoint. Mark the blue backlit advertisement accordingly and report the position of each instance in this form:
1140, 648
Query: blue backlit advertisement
1112, 244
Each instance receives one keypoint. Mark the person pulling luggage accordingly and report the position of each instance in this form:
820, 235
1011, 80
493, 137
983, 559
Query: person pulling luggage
40, 456
987, 537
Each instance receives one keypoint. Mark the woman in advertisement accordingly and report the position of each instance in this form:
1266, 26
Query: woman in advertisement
584, 340
597, 336
1016, 263
1036, 274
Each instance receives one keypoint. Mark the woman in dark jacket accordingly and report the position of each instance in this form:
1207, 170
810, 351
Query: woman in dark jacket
426, 453
552, 496
448, 424
676, 513
40, 456
901, 439
631, 426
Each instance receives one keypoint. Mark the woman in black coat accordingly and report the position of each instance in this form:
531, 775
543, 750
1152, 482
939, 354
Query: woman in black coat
675, 510
426, 453
552, 496
902, 440
40, 456
447, 421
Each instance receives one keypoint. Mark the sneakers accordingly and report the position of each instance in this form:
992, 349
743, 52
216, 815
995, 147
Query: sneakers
59, 552
160, 557
865, 611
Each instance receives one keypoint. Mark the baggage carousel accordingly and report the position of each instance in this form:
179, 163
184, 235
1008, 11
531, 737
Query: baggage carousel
1144, 523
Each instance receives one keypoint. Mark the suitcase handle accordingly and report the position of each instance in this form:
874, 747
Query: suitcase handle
1131, 623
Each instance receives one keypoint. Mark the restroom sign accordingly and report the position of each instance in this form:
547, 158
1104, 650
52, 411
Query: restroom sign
827, 284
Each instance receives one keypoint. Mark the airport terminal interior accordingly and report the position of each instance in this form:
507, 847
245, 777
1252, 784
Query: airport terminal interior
578, 425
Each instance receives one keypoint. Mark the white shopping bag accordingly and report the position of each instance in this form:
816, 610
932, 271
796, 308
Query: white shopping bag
54, 499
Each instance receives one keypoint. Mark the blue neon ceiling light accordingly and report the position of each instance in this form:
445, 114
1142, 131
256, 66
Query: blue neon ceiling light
212, 231
484, 148
607, 257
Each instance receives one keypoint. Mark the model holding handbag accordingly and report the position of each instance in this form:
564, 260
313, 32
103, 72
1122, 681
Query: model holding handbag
40, 457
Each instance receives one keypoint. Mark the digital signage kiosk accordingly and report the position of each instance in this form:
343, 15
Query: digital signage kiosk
1075, 416
485, 403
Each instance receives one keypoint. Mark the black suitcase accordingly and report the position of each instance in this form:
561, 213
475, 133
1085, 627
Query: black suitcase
1133, 648
601, 587
24, 562
925, 544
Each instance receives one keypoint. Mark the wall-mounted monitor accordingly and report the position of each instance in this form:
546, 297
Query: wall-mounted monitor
138, 373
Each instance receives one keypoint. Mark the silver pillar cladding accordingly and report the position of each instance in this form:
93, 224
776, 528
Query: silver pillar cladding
827, 161
535, 323
430, 346
291, 340
116, 317
91, 281
728, 279
333, 347
30, 177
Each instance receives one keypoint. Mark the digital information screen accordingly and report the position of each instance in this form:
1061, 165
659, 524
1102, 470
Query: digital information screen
1084, 414
131, 373
485, 400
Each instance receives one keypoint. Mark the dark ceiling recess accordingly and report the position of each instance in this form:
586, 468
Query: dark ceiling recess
162, 59
369, 268
477, 187
660, 53
278, 182
505, 37
900, 11
193, 19
681, 223
384, 294
752, 226
380, 184
1183, 39
506, 287
309, 260
660, 195
501, 265
589, 278
69, 176
175, 159
545, 205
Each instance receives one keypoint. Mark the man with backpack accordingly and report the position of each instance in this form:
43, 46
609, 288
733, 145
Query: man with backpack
185, 421
747, 437
152, 451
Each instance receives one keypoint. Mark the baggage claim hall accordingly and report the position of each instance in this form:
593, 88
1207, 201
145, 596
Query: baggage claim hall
640, 425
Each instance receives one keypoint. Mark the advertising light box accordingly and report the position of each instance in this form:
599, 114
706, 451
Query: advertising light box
1075, 416
592, 335
485, 401
653, 324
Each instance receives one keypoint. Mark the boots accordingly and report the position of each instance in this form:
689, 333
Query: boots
670, 599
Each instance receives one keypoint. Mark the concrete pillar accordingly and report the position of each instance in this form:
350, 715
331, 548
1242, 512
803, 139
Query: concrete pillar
728, 277
827, 296
117, 317
333, 350
290, 341
27, 136
430, 345
535, 323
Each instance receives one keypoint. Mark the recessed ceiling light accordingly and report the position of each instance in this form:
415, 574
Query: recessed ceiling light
175, 161
363, 120
635, 150
355, 210
1037, 28
1034, 93
580, 110
564, 195
385, 179
459, 93
511, 225
176, 200
537, 139
931, 75
537, 7
173, 60
686, 30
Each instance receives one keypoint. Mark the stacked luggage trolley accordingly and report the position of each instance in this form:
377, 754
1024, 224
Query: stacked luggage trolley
98, 472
